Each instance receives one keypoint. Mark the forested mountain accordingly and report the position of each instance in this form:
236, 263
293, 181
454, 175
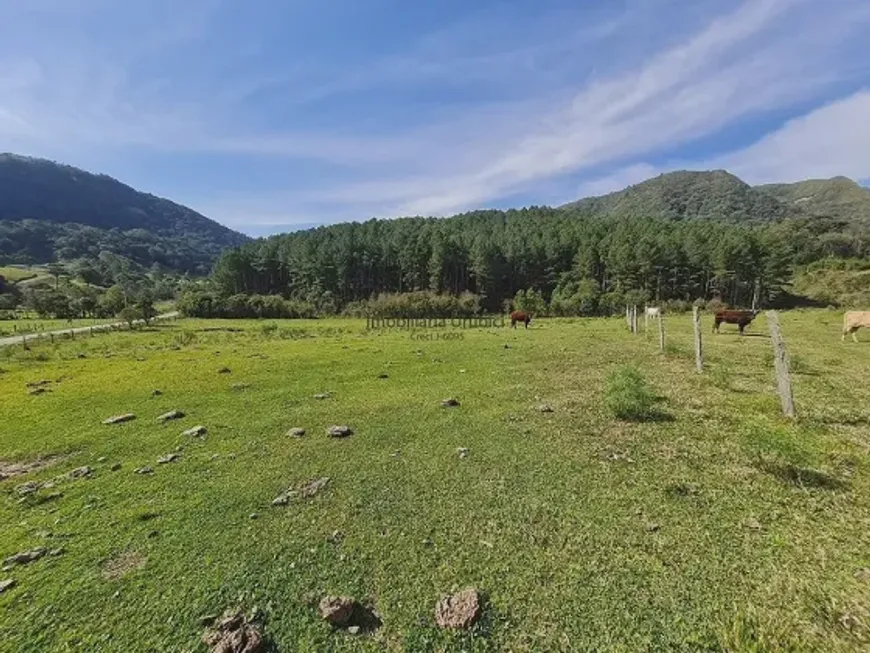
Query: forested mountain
681, 236
716, 195
839, 198
51, 211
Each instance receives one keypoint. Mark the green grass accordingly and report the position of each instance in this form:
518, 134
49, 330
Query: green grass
16, 273
584, 531
37, 324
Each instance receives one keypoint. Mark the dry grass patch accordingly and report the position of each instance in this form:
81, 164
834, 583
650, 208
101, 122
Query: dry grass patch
122, 564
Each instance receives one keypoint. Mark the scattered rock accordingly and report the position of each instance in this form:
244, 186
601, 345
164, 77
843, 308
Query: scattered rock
448, 403
240, 386
322, 395
507, 346
462, 451
752, 524
459, 611
7, 584
195, 432
233, 633
25, 557
168, 458
462, 371
253, 515
143, 470
296, 432
119, 419
353, 630
337, 610
172, 414
57, 552
27, 488
339, 431
652, 527
115, 467
78, 472
102, 459
38, 391
383, 375
335, 538
305, 491
38, 384
81, 355
225, 370
545, 408
156, 393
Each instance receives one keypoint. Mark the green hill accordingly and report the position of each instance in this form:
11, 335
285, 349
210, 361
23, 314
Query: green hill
52, 211
839, 198
684, 194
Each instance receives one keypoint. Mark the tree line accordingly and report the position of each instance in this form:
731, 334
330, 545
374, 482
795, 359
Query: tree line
560, 261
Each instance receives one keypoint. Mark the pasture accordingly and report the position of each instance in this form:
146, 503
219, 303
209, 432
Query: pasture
708, 524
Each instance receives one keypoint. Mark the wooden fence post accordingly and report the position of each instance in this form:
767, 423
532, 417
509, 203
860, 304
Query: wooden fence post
699, 357
780, 363
661, 333
634, 319
628, 316
24, 341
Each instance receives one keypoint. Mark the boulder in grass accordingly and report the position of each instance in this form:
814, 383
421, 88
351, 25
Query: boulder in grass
459, 611
172, 414
339, 431
322, 395
449, 403
233, 633
296, 432
120, 419
337, 610
168, 458
196, 432
7, 584
225, 370
25, 557
545, 408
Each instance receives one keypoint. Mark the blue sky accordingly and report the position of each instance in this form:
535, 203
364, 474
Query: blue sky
270, 116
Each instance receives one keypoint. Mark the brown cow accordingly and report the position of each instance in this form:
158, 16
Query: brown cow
520, 316
854, 320
741, 318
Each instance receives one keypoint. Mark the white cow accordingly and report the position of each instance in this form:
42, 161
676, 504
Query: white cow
854, 320
653, 311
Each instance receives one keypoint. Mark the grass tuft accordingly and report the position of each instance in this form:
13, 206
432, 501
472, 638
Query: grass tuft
629, 396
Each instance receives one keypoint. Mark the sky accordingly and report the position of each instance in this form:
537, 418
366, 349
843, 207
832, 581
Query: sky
276, 115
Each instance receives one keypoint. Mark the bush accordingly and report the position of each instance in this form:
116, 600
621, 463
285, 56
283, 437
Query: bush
628, 395
420, 304
197, 303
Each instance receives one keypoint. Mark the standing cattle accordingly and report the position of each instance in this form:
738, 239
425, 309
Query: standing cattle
741, 318
653, 311
520, 316
854, 320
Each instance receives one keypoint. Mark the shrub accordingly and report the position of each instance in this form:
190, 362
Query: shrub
629, 396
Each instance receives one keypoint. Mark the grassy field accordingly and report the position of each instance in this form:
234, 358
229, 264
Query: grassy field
36, 324
16, 273
712, 524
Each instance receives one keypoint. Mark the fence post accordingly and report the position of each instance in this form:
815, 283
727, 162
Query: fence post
24, 341
51, 335
661, 333
634, 319
699, 357
628, 316
780, 363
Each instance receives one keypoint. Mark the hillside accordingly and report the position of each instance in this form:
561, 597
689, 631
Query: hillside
839, 198
49, 210
678, 195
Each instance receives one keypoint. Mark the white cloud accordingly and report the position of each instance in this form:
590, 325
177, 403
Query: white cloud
572, 98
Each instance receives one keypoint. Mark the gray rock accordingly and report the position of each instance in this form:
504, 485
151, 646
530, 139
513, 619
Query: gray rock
25, 557
383, 375
339, 431
238, 387
225, 370
448, 403
545, 408
322, 395
7, 584
353, 630
459, 611
143, 470
168, 458
78, 472
253, 515
101, 459
115, 467
172, 414
296, 432
337, 610
119, 419
195, 432
305, 491
38, 390
156, 393
27, 488
462, 451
